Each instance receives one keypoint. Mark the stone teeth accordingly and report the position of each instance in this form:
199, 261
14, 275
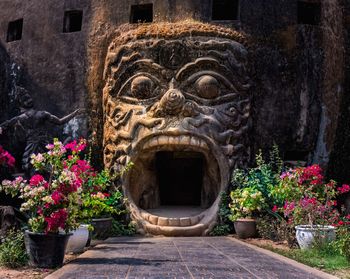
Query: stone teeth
146, 146
174, 222
162, 221
175, 140
153, 142
185, 140
204, 145
163, 140
185, 222
194, 141
145, 215
153, 219
171, 140
195, 220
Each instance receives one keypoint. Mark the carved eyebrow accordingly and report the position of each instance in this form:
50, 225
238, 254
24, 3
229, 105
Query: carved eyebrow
125, 67
200, 62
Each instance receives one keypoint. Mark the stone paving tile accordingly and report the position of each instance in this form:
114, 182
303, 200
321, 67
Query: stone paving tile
178, 258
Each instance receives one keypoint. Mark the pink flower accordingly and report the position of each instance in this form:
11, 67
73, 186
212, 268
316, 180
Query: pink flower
56, 220
57, 197
275, 208
71, 145
344, 189
50, 146
6, 158
76, 147
36, 180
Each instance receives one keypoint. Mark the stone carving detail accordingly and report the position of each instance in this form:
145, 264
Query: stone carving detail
188, 94
32, 125
8, 221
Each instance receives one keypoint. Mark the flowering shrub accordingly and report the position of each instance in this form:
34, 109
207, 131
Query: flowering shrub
263, 177
342, 243
6, 159
52, 197
304, 198
245, 203
100, 205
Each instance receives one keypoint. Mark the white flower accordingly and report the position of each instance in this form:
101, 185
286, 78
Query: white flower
47, 199
37, 158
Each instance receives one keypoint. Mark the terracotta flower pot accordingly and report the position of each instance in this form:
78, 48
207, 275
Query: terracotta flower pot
245, 228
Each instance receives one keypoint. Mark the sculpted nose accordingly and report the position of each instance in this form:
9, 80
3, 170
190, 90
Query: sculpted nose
172, 102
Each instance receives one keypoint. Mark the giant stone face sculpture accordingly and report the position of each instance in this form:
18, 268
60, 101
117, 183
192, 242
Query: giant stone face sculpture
177, 106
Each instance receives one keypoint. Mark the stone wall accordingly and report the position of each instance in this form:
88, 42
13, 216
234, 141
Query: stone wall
298, 83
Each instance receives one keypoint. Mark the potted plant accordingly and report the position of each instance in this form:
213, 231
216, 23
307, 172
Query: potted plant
250, 196
245, 205
100, 207
311, 206
52, 201
100, 201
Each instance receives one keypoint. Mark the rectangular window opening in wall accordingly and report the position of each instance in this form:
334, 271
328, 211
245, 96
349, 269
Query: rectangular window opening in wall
225, 10
14, 30
309, 12
141, 13
72, 21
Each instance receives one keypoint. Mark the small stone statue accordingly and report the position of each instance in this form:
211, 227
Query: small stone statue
8, 221
33, 124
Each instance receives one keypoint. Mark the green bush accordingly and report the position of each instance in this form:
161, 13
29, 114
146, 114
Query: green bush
342, 243
224, 225
221, 229
121, 229
12, 250
267, 227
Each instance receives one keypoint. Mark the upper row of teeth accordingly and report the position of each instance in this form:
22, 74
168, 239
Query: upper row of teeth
179, 140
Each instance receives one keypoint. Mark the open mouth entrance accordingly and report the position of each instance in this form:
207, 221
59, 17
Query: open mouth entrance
180, 178
173, 177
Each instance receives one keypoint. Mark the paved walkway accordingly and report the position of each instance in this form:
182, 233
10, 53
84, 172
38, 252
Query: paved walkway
191, 257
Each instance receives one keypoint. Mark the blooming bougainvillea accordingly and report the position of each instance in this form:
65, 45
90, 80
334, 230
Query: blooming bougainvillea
6, 159
305, 198
53, 196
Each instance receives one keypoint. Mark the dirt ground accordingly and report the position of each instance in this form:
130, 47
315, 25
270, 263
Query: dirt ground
28, 272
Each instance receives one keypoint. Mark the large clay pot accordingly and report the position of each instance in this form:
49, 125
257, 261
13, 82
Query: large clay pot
245, 228
46, 250
102, 227
307, 235
78, 239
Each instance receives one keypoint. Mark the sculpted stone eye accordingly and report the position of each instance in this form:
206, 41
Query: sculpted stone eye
207, 87
141, 87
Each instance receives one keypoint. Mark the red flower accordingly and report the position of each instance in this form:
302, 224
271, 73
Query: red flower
76, 147
6, 158
275, 208
106, 195
36, 180
57, 197
56, 220
344, 189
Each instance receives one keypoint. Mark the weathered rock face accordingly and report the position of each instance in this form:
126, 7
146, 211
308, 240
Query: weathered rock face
179, 96
298, 70
4, 83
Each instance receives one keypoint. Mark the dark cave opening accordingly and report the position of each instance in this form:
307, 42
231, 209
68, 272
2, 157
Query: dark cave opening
180, 177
